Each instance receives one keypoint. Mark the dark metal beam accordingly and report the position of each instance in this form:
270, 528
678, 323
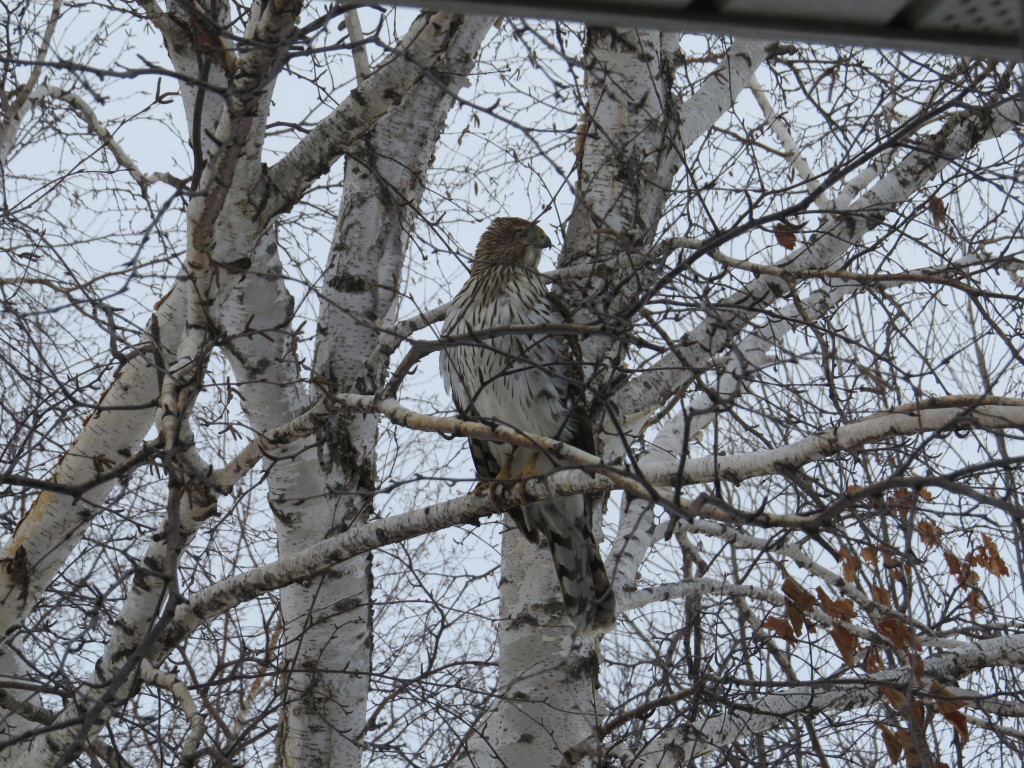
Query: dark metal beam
991, 29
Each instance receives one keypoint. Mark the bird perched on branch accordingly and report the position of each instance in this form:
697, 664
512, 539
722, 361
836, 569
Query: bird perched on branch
529, 381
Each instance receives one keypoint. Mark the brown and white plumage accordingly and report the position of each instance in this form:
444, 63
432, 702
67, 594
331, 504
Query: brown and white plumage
530, 382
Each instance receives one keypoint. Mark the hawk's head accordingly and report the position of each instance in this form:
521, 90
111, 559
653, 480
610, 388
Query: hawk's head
510, 241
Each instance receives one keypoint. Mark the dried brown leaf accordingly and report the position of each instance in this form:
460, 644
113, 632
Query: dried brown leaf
931, 534
881, 595
851, 564
894, 696
846, 642
785, 235
953, 563
959, 722
800, 597
898, 633
892, 744
840, 610
781, 628
873, 662
937, 208
976, 603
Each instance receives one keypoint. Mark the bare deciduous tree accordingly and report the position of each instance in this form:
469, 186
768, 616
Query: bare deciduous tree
237, 527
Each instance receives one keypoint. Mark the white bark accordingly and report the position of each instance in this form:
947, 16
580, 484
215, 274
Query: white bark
635, 137
751, 353
713, 99
793, 153
637, 527
44, 538
290, 176
184, 698
694, 587
17, 707
961, 412
320, 461
962, 133
328, 621
203, 77
627, 139
314, 558
562, 683
547, 699
147, 608
20, 102
223, 228
272, 394
308, 563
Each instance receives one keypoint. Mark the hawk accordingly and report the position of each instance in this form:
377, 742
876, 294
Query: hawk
530, 382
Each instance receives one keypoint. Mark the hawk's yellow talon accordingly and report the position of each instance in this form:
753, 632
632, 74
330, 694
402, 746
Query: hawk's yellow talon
530, 470
490, 487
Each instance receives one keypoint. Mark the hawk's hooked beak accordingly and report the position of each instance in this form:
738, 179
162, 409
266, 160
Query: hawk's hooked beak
545, 242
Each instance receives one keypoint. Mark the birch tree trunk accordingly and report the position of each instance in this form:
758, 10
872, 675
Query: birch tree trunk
226, 230
329, 623
628, 145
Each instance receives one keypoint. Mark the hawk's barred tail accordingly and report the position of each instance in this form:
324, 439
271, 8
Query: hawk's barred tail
586, 589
